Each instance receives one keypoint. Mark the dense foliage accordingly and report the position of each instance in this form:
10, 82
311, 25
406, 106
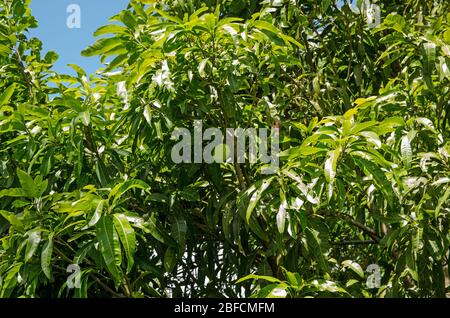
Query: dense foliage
86, 175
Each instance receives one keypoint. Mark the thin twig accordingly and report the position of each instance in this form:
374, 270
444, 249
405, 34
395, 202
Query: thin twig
373, 235
355, 242
106, 287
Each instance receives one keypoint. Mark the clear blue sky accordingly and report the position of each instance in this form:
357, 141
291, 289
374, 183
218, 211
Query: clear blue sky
68, 43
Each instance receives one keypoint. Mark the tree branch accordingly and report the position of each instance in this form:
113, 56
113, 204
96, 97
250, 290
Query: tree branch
373, 235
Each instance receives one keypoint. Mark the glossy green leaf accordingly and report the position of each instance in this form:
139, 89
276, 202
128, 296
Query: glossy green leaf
33, 240
6, 95
354, 267
109, 246
46, 256
256, 196
28, 185
127, 238
169, 259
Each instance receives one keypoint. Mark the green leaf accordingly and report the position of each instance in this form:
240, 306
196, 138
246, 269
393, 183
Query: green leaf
33, 240
12, 219
330, 169
256, 197
201, 67
128, 19
372, 138
406, 151
441, 201
314, 247
190, 194
127, 238
441, 181
157, 231
102, 173
278, 292
427, 123
85, 118
179, 230
41, 186
256, 228
6, 95
10, 281
325, 5
301, 186
429, 60
109, 246
101, 46
110, 28
263, 25
362, 127
13, 192
118, 61
4, 50
170, 259
281, 216
28, 184
80, 72
330, 165
168, 16
97, 214
148, 114
253, 276
46, 256
301, 151
119, 190
381, 181
354, 267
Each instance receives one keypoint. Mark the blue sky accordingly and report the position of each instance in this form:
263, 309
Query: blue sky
68, 43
